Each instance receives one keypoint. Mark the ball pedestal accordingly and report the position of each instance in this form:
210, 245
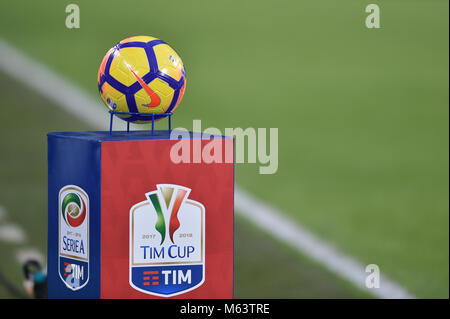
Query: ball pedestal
127, 221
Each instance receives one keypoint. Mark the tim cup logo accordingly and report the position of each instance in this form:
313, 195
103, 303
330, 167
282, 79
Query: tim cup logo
167, 242
73, 236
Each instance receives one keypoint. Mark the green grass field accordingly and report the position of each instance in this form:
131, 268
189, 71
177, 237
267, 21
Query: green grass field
362, 117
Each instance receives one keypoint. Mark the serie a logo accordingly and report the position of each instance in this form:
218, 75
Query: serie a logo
73, 236
167, 242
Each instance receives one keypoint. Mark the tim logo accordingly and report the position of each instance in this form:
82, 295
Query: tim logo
167, 242
73, 236
74, 274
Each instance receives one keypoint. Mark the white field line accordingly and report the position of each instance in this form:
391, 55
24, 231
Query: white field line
9, 232
28, 253
286, 230
12, 233
76, 101
2, 213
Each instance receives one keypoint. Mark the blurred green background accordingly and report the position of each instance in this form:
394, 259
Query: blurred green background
362, 117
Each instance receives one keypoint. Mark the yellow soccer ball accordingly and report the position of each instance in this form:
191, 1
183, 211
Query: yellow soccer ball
141, 74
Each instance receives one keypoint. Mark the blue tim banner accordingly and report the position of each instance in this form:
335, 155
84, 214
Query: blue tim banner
74, 273
167, 280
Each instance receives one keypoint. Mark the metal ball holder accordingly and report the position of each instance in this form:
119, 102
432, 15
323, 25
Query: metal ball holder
152, 115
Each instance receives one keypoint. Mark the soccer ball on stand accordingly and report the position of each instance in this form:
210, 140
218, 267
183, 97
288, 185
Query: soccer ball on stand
141, 74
